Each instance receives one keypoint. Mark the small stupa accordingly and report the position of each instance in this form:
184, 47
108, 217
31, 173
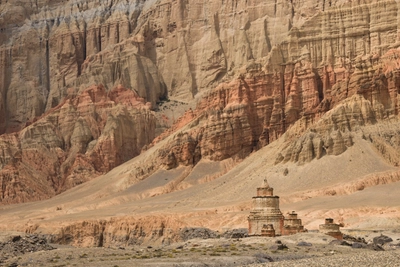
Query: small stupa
266, 218
292, 224
331, 228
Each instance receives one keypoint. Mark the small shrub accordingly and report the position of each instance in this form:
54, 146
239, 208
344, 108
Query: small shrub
215, 254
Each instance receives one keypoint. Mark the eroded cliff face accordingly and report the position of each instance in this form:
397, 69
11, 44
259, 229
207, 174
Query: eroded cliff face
49, 47
162, 230
85, 135
176, 48
239, 117
92, 71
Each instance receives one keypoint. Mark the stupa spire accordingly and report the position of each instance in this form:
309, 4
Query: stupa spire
265, 189
265, 183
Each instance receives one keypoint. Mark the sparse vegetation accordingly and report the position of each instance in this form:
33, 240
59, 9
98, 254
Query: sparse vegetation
215, 254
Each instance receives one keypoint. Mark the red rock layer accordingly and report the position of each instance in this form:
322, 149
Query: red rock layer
84, 136
258, 107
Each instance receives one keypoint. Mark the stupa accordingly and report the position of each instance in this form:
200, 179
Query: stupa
292, 224
266, 216
331, 228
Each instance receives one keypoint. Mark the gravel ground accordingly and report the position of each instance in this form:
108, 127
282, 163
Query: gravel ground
363, 258
306, 249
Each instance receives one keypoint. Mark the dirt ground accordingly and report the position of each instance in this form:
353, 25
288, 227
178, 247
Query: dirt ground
261, 251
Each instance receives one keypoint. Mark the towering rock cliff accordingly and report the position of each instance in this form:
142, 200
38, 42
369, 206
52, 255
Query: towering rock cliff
82, 82
48, 47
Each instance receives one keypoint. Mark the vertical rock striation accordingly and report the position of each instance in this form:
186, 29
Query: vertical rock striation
77, 80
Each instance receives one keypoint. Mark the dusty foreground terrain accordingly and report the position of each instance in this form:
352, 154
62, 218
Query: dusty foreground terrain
306, 249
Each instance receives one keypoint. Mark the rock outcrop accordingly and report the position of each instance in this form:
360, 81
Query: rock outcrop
239, 117
86, 135
120, 232
18, 245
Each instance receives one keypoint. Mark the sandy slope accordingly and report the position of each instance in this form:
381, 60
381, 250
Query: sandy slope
205, 198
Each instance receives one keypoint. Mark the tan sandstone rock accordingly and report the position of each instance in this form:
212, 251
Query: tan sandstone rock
256, 69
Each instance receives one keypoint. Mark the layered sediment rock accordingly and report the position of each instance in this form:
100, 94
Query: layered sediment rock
120, 232
190, 46
237, 118
47, 48
319, 66
256, 68
84, 136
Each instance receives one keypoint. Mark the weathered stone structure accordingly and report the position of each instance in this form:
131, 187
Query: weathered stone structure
331, 228
268, 230
266, 218
292, 224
